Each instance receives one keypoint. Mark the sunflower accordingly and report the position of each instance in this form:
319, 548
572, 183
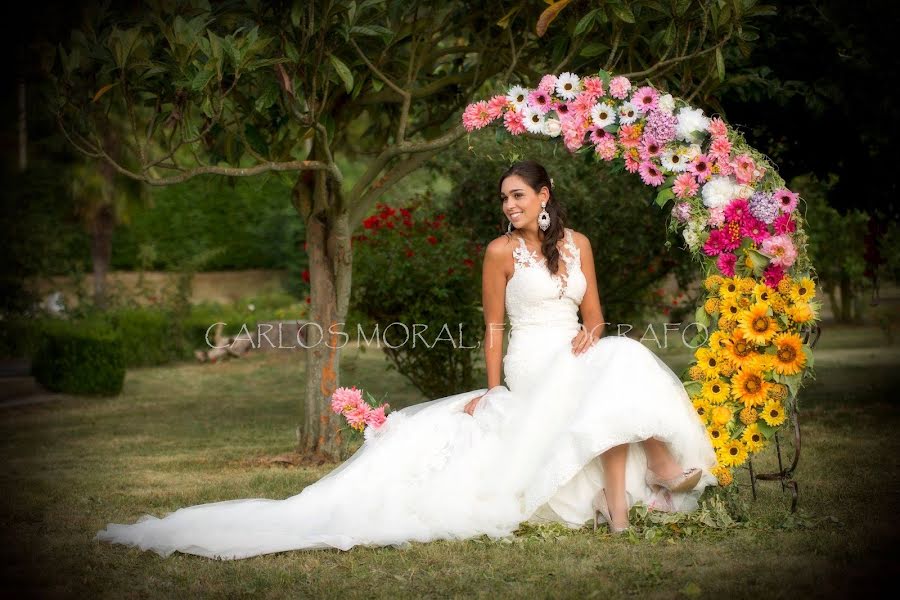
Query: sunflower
757, 324
748, 385
803, 290
708, 360
715, 341
703, 408
732, 453
730, 308
716, 391
801, 312
717, 435
749, 415
763, 292
721, 415
773, 413
723, 474
753, 438
711, 306
739, 349
729, 288
761, 362
713, 282
789, 358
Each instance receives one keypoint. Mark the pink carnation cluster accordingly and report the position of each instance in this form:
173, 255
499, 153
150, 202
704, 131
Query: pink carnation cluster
350, 403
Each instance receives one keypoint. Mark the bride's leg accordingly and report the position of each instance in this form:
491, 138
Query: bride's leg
659, 459
614, 479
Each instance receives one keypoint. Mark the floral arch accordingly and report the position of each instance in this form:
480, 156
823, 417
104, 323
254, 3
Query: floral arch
737, 219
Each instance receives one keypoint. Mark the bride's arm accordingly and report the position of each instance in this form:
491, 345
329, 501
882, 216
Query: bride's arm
493, 300
591, 312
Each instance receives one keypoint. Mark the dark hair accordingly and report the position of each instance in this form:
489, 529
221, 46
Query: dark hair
535, 176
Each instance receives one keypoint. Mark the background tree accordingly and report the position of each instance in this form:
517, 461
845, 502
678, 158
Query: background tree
239, 89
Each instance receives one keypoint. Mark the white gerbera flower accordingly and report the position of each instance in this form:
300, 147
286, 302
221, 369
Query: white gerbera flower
568, 85
603, 114
533, 120
720, 190
628, 113
691, 123
518, 95
673, 159
666, 103
552, 127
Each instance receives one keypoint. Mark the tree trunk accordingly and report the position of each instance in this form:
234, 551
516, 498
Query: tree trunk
846, 299
101, 250
330, 261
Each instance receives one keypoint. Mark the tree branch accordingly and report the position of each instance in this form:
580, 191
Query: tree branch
675, 59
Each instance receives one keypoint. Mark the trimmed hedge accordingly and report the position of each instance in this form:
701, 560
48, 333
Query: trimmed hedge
79, 358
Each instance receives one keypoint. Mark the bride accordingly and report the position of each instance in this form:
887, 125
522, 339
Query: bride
588, 425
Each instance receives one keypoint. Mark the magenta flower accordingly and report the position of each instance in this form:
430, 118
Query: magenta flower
772, 275
645, 99
539, 100
781, 249
725, 263
701, 167
784, 223
651, 174
787, 200
716, 243
375, 418
619, 87
737, 210
476, 116
685, 186
754, 229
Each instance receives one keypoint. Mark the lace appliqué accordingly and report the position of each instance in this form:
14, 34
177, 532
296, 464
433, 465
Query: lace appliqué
528, 258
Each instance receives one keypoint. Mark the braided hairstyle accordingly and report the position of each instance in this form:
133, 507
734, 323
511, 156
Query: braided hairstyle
535, 176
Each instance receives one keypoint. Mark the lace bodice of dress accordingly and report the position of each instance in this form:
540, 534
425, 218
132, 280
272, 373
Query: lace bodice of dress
537, 298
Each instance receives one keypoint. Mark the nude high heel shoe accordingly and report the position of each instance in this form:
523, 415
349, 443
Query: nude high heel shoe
601, 506
684, 482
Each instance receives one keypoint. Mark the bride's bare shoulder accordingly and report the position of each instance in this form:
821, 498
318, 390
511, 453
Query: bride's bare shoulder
500, 247
581, 241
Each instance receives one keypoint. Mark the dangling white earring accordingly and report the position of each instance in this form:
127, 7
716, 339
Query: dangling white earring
544, 217
509, 227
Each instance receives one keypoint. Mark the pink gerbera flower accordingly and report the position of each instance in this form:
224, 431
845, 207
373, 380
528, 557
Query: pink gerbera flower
720, 148
784, 223
598, 134
539, 100
754, 229
726, 262
651, 174
685, 186
547, 84
497, 105
738, 210
476, 116
606, 148
632, 164
717, 128
345, 399
649, 147
514, 122
645, 99
561, 107
375, 418
619, 87
781, 249
593, 86
701, 167
786, 200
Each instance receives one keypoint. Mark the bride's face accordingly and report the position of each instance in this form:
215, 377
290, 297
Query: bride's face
520, 202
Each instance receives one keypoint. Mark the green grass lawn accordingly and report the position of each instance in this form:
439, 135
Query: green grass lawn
187, 434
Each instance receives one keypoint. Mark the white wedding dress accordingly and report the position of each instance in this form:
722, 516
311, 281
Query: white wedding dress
529, 453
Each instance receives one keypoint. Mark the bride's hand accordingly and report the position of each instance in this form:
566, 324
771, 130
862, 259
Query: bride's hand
470, 406
583, 341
